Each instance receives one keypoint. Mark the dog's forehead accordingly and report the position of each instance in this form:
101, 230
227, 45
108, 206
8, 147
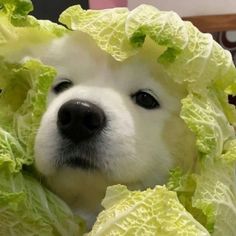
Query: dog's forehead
77, 57
74, 55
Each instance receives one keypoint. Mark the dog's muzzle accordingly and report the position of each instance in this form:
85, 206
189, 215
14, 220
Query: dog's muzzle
80, 120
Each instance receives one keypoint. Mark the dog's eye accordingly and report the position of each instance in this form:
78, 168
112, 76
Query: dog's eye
145, 100
62, 86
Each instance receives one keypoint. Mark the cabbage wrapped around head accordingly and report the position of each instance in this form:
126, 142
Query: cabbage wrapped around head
192, 203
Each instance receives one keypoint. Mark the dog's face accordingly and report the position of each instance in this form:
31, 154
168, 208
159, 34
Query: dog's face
108, 122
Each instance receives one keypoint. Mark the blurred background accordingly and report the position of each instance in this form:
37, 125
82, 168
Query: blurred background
45, 9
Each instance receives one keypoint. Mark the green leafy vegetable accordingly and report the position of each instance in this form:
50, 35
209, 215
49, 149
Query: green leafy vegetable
18, 31
16, 10
215, 192
27, 208
152, 212
24, 89
205, 117
106, 27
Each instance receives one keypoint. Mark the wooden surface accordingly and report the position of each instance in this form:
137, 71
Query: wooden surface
214, 23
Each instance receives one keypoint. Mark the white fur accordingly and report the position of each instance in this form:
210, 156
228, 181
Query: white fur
132, 149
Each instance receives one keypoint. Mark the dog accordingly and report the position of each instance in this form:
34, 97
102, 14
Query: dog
108, 122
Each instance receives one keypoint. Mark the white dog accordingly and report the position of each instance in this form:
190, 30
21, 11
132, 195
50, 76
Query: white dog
108, 122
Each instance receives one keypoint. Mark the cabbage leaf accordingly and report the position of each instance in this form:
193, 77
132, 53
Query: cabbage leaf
151, 212
27, 207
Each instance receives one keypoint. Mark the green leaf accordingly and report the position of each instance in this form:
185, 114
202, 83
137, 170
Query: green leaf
19, 31
206, 119
106, 27
24, 88
27, 208
215, 195
17, 10
152, 212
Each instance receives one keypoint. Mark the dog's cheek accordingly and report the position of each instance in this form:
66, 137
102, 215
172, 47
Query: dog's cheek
46, 144
131, 149
180, 142
139, 152
117, 149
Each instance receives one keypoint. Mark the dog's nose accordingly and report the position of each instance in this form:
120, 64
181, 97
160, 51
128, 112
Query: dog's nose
79, 120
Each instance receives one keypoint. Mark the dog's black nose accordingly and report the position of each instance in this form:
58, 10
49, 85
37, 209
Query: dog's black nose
79, 120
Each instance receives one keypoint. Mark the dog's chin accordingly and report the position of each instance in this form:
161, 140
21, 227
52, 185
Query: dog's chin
82, 163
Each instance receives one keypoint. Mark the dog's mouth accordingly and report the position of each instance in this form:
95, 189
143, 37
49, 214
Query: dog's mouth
83, 156
78, 162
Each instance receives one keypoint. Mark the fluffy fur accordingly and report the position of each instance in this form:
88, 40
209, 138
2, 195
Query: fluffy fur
137, 148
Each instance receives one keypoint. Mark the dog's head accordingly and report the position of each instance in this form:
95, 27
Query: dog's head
108, 122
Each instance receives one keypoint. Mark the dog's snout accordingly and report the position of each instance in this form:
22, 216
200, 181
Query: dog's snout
79, 120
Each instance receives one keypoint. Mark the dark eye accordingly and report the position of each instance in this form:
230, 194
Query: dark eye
145, 100
62, 86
